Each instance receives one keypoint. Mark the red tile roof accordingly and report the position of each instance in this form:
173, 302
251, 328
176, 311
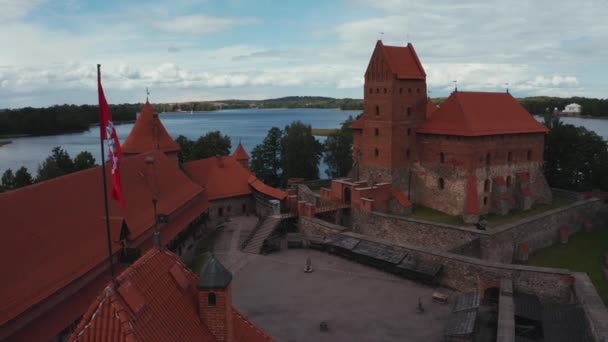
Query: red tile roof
66, 237
477, 113
148, 134
472, 205
259, 186
358, 124
403, 61
147, 303
155, 299
431, 107
240, 153
222, 177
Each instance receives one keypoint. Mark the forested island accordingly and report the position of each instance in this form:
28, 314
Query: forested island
60, 119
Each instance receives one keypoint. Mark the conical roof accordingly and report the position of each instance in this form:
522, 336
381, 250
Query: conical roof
148, 134
213, 274
240, 153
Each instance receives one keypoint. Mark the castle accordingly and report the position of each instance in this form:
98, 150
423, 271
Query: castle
478, 153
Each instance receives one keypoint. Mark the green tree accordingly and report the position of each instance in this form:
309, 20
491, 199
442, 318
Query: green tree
300, 152
186, 145
339, 151
575, 158
48, 170
23, 177
8, 180
63, 160
84, 160
210, 145
266, 158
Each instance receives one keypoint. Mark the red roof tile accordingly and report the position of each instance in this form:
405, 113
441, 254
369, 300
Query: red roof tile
167, 312
265, 189
472, 206
358, 124
403, 61
245, 331
66, 238
149, 134
477, 113
222, 177
240, 153
431, 107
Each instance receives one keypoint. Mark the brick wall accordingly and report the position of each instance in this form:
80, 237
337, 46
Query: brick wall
317, 227
218, 317
231, 207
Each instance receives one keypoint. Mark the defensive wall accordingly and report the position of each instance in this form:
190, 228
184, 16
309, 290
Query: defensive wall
499, 243
463, 273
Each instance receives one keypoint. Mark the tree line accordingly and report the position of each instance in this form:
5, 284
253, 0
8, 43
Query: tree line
57, 164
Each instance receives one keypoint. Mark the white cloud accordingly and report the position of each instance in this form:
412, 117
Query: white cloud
202, 23
15, 9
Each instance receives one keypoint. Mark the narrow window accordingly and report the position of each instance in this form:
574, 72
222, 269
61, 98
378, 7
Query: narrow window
409, 111
376, 132
244, 208
407, 154
211, 299
409, 90
529, 154
377, 110
485, 201
376, 152
441, 158
377, 90
371, 90
418, 90
220, 211
441, 184
400, 90
409, 131
229, 208
509, 156
486, 185
385, 90
488, 159
508, 181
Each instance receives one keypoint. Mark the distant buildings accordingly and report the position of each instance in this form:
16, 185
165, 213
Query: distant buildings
572, 109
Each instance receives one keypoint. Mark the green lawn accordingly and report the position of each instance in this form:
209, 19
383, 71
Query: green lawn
583, 253
423, 213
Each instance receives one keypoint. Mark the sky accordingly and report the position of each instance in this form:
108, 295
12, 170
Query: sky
186, 50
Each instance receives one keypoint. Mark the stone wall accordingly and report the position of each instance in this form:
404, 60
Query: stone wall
496, 244
538, 231
236, 206
468, 274
594, 307
401, 229
316, 227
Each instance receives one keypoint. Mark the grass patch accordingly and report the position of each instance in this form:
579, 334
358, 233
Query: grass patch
323, 132
423, 213
205, 245
583, 253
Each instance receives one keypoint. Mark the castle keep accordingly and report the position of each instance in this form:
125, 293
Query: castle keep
478, 153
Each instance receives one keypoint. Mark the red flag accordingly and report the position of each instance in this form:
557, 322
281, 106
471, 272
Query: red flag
108, 133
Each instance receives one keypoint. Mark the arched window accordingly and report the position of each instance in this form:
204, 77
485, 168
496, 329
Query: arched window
441, 157
376, 152
508, 181
486, 185
211, 299
377, 110
409, 111
509, 156
488, 157
529, 154
485, 201
441, 184
376, 132
407, 153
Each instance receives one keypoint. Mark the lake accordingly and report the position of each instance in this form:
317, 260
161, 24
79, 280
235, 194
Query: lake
249, 126
246, 125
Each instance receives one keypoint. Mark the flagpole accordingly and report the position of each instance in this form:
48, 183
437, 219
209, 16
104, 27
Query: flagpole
103, 174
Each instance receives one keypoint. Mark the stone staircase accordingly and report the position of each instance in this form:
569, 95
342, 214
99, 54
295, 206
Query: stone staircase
262, 232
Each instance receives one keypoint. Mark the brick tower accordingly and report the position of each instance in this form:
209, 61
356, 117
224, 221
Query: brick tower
215, 299
395, 104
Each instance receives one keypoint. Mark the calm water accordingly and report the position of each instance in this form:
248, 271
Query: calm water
249, 126
246, 125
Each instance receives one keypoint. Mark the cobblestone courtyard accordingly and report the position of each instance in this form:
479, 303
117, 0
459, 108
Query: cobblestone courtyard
358, 303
